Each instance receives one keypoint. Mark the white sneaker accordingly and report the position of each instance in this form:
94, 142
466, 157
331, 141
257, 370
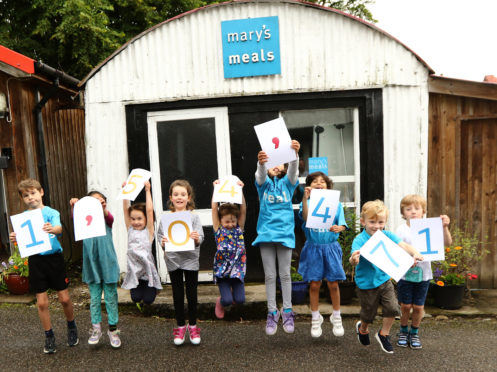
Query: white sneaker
114, 339
316, 330
95, 335
337, 326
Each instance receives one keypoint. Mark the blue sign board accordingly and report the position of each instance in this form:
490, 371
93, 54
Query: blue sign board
251, 47
318, 165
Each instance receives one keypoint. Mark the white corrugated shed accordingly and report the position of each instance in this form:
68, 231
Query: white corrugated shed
321, 50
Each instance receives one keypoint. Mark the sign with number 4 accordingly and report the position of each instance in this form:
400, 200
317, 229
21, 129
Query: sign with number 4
386, 255
428, 238
323, 206
177, 228
31, 239
228, 190
134, 184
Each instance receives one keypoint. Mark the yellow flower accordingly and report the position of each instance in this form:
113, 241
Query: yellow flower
453, 265
440, 283
457, 248
447, 250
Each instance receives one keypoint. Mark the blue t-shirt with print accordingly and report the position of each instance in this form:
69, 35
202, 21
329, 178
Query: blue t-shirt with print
52, 216
323, 236
276, 221
367, 275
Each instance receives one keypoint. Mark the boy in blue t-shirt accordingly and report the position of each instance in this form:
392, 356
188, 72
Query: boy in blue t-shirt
374, 285
47, 269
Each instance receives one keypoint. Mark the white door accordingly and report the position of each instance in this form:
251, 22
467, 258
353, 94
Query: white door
193, 145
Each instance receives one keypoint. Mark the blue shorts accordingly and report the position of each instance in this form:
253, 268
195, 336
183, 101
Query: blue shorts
411, 293
321, 261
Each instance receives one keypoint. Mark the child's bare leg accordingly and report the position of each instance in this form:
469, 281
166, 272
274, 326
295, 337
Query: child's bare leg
65, 301
314, 295
387, 325
334, 294
417, 315
42, 305
405, 310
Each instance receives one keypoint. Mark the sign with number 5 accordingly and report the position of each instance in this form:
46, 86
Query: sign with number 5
228, 190
134, 184
323, 205
428, 238
30, 236
177, 228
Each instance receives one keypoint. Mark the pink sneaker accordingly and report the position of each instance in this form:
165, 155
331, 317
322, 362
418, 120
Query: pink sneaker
219, 310
179, 335
194, 334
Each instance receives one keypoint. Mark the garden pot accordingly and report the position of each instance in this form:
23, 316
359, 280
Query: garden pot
17, 284
448, 297
299, 292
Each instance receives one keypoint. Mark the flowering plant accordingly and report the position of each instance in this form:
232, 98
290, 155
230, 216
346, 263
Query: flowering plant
14, 265
460, 259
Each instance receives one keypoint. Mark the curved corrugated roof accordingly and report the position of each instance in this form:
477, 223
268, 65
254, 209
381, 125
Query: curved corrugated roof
300, 2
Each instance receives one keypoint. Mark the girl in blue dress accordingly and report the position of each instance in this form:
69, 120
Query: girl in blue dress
230, 261
276, 235
321, 257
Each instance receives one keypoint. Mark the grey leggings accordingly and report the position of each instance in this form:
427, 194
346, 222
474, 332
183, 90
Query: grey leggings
269, 252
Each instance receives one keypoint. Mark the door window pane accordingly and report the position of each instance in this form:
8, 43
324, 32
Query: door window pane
187, 150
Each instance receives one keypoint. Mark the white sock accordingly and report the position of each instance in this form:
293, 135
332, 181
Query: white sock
315, 314
336, 314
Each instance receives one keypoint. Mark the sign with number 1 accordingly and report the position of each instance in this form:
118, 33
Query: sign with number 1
88, 216
428, 238
134, 184
177, 228
323, 206
31, 239
228, 190
386, 255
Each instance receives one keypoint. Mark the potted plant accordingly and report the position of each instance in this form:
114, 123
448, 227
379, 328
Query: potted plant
14, 273
451, 277
299, 287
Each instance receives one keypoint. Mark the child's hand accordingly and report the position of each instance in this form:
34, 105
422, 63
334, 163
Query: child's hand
194, 235
240, 183
445, 220
12, 237
418, 257
47, 227
262, 157
307, 192
73, 201
354, 258
147, 185
337, 228
163, 241
296, 146
216, 182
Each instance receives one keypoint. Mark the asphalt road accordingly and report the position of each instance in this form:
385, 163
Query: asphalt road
448, 345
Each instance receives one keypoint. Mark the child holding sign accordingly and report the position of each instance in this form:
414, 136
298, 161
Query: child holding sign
141, 278
101, 273
47, 269
374, 285
184, 263
230, 260
412, 291
275, 234
321, 257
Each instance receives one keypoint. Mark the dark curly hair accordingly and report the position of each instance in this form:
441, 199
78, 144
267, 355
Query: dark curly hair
311, 177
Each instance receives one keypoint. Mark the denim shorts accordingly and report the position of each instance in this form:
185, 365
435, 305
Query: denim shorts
411, 293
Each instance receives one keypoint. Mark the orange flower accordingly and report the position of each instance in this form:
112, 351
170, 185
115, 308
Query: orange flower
453, 265
25, 263
447, 250
16, 267
440, 283
457, 248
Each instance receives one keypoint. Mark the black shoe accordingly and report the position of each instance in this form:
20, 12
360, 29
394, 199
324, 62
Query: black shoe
50, 345
384, 342
363, 339
72, 336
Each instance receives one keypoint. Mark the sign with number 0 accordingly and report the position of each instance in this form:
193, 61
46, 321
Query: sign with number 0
31, 239
323, 205
275, 142
134, 184
386, 255
228, 190
177, 228
88, 217
428, 238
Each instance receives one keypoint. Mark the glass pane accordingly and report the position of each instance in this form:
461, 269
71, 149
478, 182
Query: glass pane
187, 150
324, 133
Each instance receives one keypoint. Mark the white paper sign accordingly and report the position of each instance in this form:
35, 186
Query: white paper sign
228, 190
386, 255
88, 217
31, 239
134, 184
177, 227
323, 205
428, 238
275, 142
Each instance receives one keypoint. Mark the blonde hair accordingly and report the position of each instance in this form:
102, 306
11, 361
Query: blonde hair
412, 199
372, 209
28, 183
